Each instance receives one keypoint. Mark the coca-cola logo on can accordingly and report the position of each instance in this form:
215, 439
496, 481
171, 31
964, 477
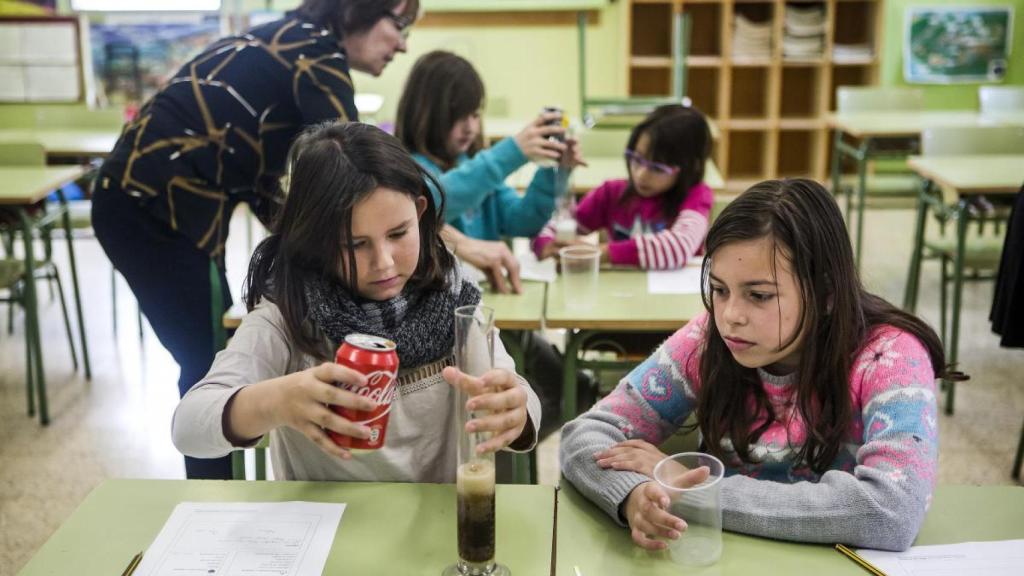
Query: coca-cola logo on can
380, 387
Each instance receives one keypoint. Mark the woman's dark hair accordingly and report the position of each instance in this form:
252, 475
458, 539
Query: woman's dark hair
343, 17
800, 218
442, 88
679, 136
333, 167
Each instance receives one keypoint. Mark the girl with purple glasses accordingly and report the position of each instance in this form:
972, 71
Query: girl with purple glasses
658, 217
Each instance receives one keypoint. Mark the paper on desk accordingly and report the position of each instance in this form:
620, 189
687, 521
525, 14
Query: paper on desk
537, 270
235, 538
1001, 558
686, 280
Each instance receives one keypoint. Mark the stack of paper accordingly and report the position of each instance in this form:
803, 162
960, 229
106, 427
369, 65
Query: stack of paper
851, 52
804, 31
751, 39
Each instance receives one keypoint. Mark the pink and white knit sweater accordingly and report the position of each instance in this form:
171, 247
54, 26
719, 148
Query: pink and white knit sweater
875, 493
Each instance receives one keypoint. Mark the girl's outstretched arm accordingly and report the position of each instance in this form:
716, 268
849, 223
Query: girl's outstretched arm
881, 502
649, 404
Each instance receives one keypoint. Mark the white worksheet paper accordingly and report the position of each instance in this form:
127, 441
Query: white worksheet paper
1001, 558
685, 280
243, 539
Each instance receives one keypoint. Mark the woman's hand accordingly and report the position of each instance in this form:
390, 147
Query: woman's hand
533, 139
646, 511
300, 401
632, 455
495, 260
502, 400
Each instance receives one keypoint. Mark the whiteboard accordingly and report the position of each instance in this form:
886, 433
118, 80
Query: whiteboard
39, 60
12, 84
48, 43
51, 83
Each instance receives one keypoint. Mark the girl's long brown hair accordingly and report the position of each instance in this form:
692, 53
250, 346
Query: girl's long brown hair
333, 167
836, 317
442, 88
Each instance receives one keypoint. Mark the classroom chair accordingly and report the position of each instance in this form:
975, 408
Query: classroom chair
32, 154
996, 99
1019, 459
12, 278
983, 248
888, 183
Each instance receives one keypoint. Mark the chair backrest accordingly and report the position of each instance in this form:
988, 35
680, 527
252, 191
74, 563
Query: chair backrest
603, 143
950, 141
874, 99
1001, 99
22, 154
72, 116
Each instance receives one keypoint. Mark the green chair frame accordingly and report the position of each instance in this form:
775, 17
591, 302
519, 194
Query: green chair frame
978, 253
896, 189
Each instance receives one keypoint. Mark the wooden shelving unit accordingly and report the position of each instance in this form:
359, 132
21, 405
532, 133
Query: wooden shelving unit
770, 109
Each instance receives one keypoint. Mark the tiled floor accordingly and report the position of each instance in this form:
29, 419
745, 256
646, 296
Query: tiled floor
118, 425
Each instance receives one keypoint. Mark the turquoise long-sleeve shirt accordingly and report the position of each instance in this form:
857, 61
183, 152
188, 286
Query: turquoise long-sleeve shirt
481, 205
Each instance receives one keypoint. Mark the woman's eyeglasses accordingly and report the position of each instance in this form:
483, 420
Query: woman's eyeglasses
635, 159
402, 23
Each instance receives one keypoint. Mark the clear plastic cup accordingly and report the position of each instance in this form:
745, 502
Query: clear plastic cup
700, 506
580, 265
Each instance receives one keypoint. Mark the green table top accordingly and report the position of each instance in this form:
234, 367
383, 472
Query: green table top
75, 142
623, 303
588, 539
26, 185
911, 124
586, 178
988, 174
523, 311
386, 528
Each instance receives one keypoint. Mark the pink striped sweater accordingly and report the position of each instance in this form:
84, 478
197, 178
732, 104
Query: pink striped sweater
875, 492
638, 235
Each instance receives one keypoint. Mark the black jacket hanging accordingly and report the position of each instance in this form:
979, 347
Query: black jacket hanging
1007, 314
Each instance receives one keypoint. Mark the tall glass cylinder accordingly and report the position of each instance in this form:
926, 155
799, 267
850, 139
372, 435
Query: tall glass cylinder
474, 355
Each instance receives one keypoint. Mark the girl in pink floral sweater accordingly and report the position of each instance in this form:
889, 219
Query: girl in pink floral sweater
817, 396
658, 217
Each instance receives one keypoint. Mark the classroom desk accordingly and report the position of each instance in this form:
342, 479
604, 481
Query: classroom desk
512, 312
623, 305
21, 188
386, 528
588, 538
963, 177
871, 127
65, 144
586, 178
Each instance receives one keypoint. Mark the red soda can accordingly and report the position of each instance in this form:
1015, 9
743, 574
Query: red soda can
377, 359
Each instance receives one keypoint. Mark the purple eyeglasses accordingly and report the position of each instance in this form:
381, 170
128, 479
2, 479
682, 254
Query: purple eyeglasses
635, 159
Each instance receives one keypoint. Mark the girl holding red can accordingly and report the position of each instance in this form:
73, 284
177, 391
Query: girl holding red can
356, 250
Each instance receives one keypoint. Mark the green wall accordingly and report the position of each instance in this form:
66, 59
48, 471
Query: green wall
942, 96
523, 67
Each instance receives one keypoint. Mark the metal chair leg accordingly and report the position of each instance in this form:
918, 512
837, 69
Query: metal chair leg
67, 320
113, 297
1020, 455
958, 289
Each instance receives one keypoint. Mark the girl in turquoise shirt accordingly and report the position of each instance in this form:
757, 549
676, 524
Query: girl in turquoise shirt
439, 122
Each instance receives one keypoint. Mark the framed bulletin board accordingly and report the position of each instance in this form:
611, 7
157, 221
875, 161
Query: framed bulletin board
40, 60
952, 44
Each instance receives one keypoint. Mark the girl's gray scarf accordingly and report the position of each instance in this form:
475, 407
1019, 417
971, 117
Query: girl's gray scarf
420, 322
